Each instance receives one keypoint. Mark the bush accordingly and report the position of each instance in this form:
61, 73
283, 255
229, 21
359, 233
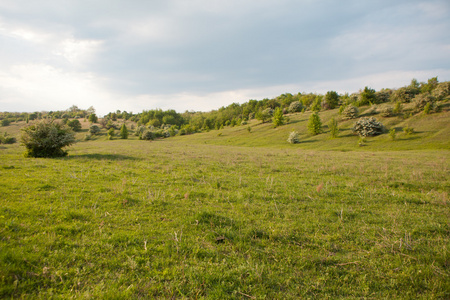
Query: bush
422, 100
334, 129
5, 122
46, 139
368, 127
314, 124
392, 133
387, 112
295, 106
5, 139
350, 112
408, 130
278, 117
74, 124
111, 133
94, 129
442, 91
293, 138
147, 135
123, 132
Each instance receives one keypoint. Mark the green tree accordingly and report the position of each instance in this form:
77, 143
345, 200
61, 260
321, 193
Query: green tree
94, 129
367, 96
75, 125
46, 139
334, 129
278, 117
93, 118
111, 134
331, 100
123, 132
314, 124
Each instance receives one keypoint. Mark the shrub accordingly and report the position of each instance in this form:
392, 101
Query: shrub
46, 139
387, 111
382, 96
293, 138
5, 122
334, 129
94, 129
295, 106
314, 124
278, 117
421, 100
111, 133
368, 127
397, 108
331, 100
442, 90
405, 94
123, 132
350, 112
408, 130
392, 133
5, 139
139, 130
93, 118
74, 124
147, 135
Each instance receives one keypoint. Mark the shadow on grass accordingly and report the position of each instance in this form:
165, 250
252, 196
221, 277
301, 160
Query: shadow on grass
102, 157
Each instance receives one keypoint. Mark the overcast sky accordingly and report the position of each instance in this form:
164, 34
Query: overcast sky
204, 54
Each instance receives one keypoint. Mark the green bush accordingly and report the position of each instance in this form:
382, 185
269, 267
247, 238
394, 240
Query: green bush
74, 124
295, 106
147, 135
111, 133
387, 111
334, 129
314, 124
350, 112
5, 122
46, 139
293, 138
368, 127
123, 132
278, 117
6, 139
94, 129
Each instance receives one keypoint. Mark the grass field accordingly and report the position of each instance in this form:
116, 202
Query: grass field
232, 216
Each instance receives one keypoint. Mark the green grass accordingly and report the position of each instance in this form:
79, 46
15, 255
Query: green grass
237, 216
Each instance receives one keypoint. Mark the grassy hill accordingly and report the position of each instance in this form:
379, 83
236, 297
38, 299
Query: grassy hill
230, 214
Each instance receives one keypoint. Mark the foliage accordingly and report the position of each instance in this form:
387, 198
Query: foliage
316, 105
392, 133
334, 129
405, 94
74, 124
6, 139
331, 100
442, 91
147, 135
350, 112
397, 108
387, 111
278, 117
368, 127
111, 133
46, 139
314, 124
408, 130
293, 138
295, 106
93, 118
123, 131
5, 122
367, 96
421, 100
382, 96
94, 129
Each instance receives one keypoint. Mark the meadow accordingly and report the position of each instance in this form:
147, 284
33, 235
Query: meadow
231, 214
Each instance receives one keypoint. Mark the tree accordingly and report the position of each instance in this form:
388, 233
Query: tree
111, 133
314, 124
295, 106
367, 96
94, 129
334, 129
46, 139
278, 117
93, 118
75, 125
331, 100
123, 132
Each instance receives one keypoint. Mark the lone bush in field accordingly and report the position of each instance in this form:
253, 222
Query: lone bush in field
75, 125
350, 112
94, 129
293, 138
123, 132
368, 127
278, 117
314, 124
111, 133
334, 129
46, 139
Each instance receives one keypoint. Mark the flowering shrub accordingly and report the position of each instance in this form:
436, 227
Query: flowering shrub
293, 138
368, 127
350, 112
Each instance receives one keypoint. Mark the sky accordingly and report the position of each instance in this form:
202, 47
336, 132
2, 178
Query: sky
201, 55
